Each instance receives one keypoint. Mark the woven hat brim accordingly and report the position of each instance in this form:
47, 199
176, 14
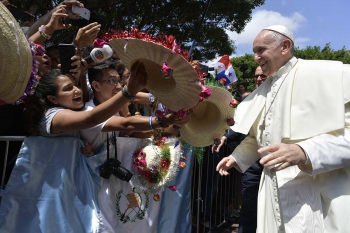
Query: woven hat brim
16, 65
176, 93
208, 119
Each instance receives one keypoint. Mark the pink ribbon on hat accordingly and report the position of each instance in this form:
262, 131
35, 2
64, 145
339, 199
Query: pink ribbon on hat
206, 92
166, 71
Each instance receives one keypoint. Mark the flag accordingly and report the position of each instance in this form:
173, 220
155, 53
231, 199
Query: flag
225, 70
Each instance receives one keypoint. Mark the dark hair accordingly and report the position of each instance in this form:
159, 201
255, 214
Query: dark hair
95, 73
38, 102
120, 67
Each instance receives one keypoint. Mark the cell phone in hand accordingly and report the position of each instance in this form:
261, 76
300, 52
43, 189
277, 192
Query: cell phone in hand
83, 12
67, 51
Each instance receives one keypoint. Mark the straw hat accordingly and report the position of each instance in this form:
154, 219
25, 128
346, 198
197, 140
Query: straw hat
155, 166
209, 119
16, 57
180, 90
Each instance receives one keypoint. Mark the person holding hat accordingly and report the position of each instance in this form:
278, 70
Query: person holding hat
53, 189
306, 155
106, 82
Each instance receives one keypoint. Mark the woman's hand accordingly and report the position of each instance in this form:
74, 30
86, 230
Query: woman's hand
174, 119
86, 35
87, 150
56, 19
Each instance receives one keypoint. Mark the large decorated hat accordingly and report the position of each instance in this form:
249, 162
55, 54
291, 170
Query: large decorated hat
16, 58
157, 164
170, 77
209, 118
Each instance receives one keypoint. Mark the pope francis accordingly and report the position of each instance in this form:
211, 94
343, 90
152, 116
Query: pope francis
298, 122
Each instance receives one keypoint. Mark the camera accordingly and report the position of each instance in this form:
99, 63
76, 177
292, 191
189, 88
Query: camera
113, 166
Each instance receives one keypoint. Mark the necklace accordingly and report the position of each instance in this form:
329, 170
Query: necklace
263, 125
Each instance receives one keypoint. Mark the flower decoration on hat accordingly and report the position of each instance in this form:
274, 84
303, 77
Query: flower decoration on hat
156, 165
170, 77
230, 121
234, 103
210, 117
37, 50
166, 71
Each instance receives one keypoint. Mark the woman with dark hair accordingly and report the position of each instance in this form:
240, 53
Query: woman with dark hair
53, 186
241, 92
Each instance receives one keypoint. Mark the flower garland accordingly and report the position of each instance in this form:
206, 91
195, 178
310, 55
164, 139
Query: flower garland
157, 165
34, 78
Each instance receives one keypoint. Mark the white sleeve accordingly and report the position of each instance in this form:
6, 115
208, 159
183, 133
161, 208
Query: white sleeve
329, 151
246, 153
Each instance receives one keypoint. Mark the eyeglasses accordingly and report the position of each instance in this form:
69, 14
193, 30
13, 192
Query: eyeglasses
261, 75
127, 75
113, 82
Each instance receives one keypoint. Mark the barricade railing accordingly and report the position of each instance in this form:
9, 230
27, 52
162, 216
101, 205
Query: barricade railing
7, 139
215, 199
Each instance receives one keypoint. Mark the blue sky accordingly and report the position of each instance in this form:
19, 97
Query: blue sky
313, 22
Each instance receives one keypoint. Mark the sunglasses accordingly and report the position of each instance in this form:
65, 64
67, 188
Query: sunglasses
261, 75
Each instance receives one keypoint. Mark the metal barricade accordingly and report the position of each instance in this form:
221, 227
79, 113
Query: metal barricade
215, 199
7, 139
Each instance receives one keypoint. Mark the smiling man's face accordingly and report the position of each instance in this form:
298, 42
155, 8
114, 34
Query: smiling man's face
269, 53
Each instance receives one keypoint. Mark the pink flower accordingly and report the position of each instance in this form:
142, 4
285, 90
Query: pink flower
233, 103
173, 187
230, 121
206, 92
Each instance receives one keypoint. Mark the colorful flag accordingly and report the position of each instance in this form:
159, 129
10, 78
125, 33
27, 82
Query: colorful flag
226, 73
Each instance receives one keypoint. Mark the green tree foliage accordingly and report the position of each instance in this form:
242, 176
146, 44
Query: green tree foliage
327, 53
180, 18
245, 76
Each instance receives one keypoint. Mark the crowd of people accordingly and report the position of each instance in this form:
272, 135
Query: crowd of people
99, 118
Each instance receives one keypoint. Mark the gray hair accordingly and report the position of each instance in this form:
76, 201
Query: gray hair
279, 38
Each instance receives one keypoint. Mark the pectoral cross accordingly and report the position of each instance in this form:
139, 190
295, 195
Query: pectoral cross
262, 128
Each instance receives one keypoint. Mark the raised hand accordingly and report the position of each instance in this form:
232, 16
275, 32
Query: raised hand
174, 119
86, 35
56, 20
138, 78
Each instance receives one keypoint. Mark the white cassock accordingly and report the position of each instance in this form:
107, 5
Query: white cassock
303, 103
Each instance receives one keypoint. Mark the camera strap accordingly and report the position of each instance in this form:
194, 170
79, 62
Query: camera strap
96, 102
114, 142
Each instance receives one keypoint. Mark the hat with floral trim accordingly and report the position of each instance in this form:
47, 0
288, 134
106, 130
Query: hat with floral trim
170, 77
15, 52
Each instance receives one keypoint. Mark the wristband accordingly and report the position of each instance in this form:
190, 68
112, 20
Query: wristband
150, 123
41, 29
126, 94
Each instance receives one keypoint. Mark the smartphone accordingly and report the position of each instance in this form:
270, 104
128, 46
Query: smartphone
67, 51
83, 12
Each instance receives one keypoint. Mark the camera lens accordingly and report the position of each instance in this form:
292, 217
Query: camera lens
122, 173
